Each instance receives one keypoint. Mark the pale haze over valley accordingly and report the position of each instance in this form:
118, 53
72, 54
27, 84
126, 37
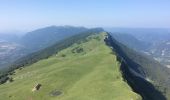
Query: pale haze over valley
84, 50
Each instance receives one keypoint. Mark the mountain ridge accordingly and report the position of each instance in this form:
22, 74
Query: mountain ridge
149, 92
134, 72
68, 73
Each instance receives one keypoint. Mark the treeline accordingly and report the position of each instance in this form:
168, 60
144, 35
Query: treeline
45, 53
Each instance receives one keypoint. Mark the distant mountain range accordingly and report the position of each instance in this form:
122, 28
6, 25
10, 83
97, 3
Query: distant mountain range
70, 58
152, 42
44, 37
33, 41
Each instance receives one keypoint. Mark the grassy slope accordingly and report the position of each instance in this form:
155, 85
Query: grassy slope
92, 74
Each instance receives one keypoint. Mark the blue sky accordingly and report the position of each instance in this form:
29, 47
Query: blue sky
26, 15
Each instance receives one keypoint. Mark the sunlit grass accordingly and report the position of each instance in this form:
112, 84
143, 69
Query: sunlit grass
90, 73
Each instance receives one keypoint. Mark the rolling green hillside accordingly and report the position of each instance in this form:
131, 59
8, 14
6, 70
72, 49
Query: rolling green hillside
86, 70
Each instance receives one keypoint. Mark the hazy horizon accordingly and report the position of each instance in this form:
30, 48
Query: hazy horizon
123, 29
27, 15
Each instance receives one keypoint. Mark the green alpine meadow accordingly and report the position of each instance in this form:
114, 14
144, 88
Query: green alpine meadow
86, 70
84, 50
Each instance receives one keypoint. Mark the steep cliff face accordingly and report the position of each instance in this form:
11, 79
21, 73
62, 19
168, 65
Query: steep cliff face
135, 74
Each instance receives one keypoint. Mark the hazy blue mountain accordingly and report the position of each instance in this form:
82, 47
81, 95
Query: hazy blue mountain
160, 46
131, 41
44, 37
139, 31
153, 42
13, 47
